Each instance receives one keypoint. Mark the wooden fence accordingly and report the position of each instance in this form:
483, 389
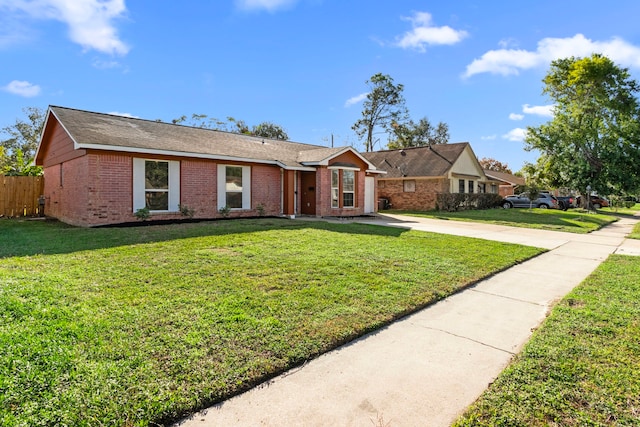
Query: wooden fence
19, 195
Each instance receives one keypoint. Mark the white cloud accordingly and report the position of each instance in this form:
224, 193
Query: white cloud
22, 88
512, 61
517, 134
489, 137
538, 110
90, 22
356, 99
269, 5
424, 33
514, 116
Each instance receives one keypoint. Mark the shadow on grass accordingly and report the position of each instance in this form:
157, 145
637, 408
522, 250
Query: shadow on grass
24, 237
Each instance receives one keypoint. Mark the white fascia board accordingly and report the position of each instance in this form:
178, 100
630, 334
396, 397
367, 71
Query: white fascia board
376, 171
343, 168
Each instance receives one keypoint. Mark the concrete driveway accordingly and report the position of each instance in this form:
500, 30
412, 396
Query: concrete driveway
425, 369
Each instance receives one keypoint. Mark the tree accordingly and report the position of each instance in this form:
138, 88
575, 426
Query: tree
18, 151
491, 164
411, 134
593, 140
269, 130
384, 107
264, 129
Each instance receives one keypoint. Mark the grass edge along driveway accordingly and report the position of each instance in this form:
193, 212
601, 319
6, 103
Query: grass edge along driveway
572, 221
136, 326
581, 366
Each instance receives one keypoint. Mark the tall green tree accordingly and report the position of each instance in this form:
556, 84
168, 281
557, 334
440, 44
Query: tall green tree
264, 129
593, 140
491, 164
384, 107
411, 134
269, 130
19, 149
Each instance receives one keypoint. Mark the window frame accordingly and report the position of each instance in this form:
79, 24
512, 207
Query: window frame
409, 186
140, 189
338, 192
222, 187
461, 185
471, 186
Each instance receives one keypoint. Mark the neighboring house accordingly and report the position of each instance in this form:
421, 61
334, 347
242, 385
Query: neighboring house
507, 183
100, 169
415, 176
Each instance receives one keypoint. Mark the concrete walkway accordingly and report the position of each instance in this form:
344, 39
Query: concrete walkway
425, 369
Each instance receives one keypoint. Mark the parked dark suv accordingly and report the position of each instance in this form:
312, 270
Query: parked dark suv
544, 201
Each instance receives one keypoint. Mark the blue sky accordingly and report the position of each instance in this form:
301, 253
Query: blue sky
476, 65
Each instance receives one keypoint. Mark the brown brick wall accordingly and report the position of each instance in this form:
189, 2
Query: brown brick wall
323, 195
97, 190
424, 198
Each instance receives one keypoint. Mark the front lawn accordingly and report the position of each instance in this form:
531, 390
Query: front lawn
635, 234
135, 326
573, 221
623, 211
581, 367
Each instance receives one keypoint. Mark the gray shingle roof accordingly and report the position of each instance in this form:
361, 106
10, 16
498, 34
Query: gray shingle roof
417, 161
111, 132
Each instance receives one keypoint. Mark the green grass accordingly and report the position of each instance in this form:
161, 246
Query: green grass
635, 234
622, 211
573, 221
135, 326
581, 367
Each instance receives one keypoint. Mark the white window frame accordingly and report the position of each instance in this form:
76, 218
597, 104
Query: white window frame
139, 187
246, 187
352, 192
335, 191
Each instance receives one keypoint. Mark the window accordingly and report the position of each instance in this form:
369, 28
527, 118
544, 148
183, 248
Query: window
482, 187
335, 188
234, 187
494, 189
470, 186
409, 186
343, 188
156, 185
348, 188
461, 186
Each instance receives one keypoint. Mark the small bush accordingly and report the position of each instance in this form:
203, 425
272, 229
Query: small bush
143, 213
186, 211
225, 211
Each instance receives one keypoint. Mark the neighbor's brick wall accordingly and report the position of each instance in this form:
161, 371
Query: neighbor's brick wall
424, 198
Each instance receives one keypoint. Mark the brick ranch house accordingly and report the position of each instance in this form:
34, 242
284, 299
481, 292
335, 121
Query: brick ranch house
508, 183
100, 169
415, 176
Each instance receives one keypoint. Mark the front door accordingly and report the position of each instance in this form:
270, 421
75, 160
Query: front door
308, 188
